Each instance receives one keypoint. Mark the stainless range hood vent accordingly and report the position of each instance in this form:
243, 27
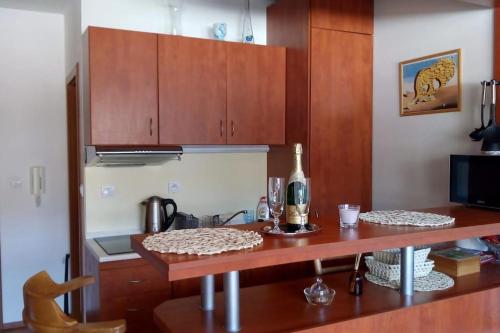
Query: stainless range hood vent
130, 156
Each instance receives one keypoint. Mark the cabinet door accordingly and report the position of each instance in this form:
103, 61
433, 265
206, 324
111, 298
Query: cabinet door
192, 88
255, 94
343, 15
341, 119
123, 79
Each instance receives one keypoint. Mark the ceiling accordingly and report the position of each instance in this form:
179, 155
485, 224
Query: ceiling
50, 6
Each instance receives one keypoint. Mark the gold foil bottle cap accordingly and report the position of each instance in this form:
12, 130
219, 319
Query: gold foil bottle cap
297, 148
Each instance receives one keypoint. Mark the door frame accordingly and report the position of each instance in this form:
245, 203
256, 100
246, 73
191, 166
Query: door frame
75, 201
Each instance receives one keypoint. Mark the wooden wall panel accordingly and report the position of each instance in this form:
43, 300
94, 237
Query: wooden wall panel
351, 16
288, 26
341, 119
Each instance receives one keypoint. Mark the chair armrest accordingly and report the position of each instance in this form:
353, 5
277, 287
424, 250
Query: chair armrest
75, 284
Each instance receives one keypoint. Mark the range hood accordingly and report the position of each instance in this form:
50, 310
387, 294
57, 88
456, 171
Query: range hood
122, 156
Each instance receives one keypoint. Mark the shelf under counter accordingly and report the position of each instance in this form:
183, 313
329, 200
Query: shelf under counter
469, 306
331, 241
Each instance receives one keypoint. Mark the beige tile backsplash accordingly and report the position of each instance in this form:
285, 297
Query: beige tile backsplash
211, 184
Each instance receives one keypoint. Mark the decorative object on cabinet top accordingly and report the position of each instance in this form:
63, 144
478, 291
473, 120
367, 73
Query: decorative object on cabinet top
202, 241
403, 217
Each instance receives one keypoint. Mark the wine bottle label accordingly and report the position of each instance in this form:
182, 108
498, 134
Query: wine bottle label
293, 217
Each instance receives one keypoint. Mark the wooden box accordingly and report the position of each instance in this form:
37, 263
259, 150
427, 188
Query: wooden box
455, 262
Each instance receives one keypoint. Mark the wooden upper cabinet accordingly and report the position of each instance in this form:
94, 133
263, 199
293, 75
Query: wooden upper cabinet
192, 90
351, 16
123, 87
255, 94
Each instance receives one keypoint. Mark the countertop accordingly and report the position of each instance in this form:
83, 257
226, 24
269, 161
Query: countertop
331, 241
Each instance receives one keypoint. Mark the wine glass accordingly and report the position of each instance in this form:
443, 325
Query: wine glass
302, 200
276, 200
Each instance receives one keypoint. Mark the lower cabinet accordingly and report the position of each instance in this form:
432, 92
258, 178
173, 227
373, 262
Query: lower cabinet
126, 289
131, 289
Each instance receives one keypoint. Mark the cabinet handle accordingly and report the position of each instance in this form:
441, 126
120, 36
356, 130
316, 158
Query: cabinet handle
150, 126
317, 214
133, 310
135, 281
232, 128
221, 129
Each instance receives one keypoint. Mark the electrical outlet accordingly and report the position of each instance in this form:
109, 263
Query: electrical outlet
174, 187
107, 191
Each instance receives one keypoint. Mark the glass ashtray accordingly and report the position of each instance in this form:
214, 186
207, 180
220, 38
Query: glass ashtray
319, 293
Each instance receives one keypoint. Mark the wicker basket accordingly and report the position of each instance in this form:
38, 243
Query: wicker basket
393, 256
392, 272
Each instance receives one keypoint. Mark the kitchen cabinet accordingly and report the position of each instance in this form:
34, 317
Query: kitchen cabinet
329, 96
126, 289
340, 154
149, 89
255, 94
349, 16
121, 87
192, 90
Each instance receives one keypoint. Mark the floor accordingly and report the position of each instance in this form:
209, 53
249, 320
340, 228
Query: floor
17, 330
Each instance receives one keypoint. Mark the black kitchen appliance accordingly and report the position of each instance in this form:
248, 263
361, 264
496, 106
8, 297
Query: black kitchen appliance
475, 180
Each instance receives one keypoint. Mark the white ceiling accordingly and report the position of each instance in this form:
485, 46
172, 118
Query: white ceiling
50, 6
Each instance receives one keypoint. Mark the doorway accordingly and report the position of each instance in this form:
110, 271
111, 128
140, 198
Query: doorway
74, 181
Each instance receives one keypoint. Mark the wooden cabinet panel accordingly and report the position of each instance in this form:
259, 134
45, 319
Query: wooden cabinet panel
351, 15
123, 79
341, 122
132, 281
255, 94
192, 90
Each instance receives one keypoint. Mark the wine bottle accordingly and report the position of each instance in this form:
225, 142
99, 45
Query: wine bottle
297, 179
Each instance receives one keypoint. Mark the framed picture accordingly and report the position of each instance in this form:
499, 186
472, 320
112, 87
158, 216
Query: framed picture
431, 84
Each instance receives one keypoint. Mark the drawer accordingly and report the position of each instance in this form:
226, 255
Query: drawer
129, 281
135, 309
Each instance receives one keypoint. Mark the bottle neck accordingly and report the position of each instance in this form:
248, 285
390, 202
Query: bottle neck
297, 173
297, 164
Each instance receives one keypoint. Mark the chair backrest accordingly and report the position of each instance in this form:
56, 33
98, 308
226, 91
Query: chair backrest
41, 312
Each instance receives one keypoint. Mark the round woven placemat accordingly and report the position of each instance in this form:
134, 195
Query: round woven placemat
404, 217
433, 281
202, 241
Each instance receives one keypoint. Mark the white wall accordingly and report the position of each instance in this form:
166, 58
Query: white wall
32, 132
213, 183
198, 16
72, 33
410, 154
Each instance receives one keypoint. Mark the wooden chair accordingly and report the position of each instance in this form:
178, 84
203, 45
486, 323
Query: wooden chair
41, 313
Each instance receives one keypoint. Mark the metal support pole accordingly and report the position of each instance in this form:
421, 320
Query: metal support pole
407, 269
208, 293
232, 300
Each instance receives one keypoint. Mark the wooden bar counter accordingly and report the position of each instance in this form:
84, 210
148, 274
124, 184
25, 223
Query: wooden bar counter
282, 307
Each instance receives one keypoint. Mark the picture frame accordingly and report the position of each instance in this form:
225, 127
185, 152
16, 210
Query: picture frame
431, 84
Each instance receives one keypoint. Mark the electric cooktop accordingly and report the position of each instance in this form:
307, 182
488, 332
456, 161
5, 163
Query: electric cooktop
115, 244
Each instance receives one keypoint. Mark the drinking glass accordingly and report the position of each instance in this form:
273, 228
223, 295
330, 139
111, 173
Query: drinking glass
276, 200
302, 200
349, 215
